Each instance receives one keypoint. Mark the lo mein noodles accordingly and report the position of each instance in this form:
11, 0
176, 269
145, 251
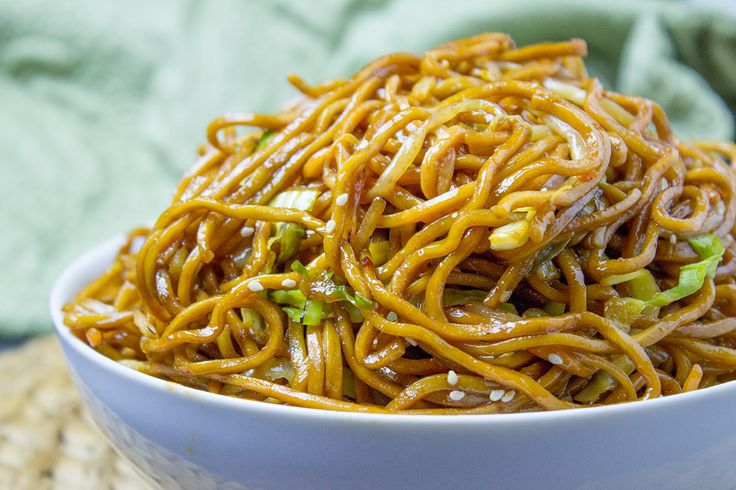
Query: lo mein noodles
480, 229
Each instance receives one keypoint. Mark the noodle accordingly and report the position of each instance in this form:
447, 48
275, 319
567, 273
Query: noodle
480, 229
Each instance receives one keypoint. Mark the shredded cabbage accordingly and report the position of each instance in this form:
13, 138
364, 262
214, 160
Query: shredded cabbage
692, 276
291, 297
314, 312
379, 251
310, 311
459, 297
602, 382
301, 199
267, 135
646, 294
510, 236
289, 237
553, 308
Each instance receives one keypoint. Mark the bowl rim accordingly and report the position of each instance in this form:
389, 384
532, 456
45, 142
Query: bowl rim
97, 257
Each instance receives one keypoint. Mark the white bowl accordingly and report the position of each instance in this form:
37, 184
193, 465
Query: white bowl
181, 437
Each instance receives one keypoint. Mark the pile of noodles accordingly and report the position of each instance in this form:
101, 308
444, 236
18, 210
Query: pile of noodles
479, 229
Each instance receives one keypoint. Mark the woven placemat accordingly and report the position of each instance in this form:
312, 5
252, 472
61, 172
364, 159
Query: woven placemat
46, 437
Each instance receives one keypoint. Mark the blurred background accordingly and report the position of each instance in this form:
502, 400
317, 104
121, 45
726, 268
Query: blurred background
103, 104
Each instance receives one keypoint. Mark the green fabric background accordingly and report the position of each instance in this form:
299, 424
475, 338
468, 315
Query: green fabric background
102, 104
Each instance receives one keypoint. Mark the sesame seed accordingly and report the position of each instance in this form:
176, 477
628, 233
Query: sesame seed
543, 189
411, 341
457, 395
247, 231
255, 286
452, 377
288, 283
496, 395
342, 199
392, 316
330, 226
454, 215
554, 359
508, 396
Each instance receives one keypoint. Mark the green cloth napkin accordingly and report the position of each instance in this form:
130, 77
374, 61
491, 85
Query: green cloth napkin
102, 104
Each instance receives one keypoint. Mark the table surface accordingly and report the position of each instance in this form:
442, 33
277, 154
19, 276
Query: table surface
46, 437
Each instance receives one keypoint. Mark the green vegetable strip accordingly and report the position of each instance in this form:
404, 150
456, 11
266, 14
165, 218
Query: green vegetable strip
379, 252
455, 297
307, 311
290, 236
554, 308
602, 382
302, 199
624, 311
292, 297
508, 308
297, 266
692, 276
294, 314
313, 312
361, 301
267, 135
355, 314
